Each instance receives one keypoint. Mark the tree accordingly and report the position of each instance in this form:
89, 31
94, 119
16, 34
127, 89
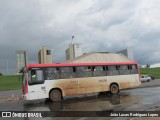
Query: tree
148, 65
1, 74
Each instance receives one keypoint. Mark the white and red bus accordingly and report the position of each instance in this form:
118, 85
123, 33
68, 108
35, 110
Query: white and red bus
55, 81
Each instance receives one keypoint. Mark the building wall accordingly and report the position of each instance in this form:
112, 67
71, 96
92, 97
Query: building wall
77, 49
44, 56
73, 51
22, 59
70, 52
128, 52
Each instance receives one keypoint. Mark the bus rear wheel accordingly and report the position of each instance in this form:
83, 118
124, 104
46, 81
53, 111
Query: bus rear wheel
55, 95
114, 89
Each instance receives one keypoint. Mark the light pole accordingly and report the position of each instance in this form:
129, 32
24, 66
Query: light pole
72, 39
7, 67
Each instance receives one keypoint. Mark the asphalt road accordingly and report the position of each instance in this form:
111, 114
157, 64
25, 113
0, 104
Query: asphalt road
141, 99
152, 83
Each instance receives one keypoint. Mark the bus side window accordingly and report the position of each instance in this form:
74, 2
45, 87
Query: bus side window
33, 75
99, 71
112, 70
88, 68
36, 76
74, 69
68, 72
123, 70
133, 69
52, 73
84, 71
39, 74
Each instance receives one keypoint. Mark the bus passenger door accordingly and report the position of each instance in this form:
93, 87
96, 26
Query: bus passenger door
36, 88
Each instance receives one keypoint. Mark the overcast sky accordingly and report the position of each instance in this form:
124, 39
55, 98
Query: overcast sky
99, 25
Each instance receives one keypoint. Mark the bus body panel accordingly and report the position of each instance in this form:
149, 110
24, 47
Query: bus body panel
40, 91
68, 86
83, 85
135, 80
76, 86
92, 84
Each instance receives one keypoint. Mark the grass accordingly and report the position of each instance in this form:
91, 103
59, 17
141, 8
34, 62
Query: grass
10, 82
151, 71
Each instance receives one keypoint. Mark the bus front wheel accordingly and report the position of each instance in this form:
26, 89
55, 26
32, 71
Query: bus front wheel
55, 95
114, 89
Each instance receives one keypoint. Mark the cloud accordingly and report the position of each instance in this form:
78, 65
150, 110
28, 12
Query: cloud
101, 25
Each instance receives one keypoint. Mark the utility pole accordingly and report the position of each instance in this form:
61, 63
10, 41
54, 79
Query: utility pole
72, 39
7, 67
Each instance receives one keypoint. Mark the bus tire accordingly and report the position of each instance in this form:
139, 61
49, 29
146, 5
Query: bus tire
55, 95
114, 89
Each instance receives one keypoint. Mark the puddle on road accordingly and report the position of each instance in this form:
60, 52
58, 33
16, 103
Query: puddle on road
148, 96
127, 100
88, 103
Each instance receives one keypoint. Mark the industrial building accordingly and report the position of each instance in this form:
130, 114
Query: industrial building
44, 56
100, 57
73, 51
22, 59
128, 52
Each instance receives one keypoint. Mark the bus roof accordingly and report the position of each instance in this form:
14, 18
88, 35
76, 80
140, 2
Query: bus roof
77, 64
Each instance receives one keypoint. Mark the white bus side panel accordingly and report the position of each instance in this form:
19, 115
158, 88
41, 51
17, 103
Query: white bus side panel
124, 81
81, 85
92, 84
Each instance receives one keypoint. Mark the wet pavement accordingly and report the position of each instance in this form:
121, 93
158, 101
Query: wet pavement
18, 93
144, 98
140, 99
